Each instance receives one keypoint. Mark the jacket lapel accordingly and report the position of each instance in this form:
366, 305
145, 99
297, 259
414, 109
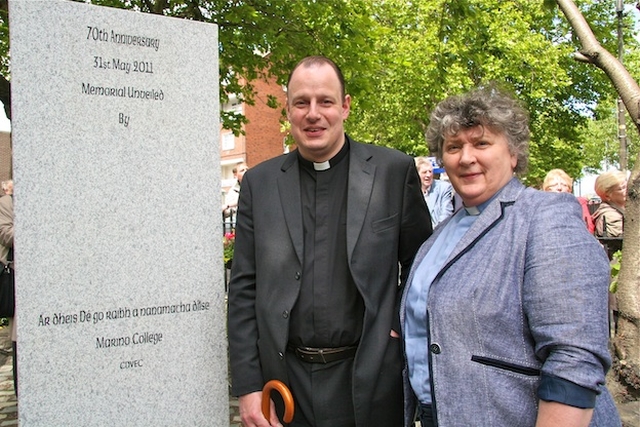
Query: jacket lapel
491, 215
289, 190
361, 175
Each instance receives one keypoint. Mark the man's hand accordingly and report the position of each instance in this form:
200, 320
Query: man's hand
251, 411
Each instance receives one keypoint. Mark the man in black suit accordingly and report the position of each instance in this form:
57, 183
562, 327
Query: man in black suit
315, 284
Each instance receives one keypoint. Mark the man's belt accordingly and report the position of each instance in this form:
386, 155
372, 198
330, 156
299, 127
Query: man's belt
322, 355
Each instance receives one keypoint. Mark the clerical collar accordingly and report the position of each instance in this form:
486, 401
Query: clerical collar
472, 210
323, 166
477, 210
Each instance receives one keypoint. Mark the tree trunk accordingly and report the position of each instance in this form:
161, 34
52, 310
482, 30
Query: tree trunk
627, 338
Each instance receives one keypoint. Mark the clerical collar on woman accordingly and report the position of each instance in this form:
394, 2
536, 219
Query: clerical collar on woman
477, 210
322, 166
472, 210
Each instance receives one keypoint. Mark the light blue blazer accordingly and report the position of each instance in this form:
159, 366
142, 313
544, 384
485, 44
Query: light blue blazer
439, 199
523, 292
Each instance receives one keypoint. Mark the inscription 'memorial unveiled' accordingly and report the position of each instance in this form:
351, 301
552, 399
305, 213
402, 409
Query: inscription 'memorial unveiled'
120, 293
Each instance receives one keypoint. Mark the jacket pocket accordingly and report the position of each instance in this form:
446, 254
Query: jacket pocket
512, 367
384, 223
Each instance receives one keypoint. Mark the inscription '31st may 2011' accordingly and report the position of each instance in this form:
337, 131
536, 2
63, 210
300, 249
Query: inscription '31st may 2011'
125, 66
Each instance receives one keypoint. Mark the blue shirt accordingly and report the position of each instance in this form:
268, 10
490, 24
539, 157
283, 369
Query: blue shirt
416, 322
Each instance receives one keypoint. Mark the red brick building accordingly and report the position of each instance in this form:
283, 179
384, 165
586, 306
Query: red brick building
262, 139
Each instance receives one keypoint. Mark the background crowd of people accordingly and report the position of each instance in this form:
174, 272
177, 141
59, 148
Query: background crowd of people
603, 215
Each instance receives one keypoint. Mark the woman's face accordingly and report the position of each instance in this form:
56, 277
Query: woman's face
558, 185
618, 194
478, 163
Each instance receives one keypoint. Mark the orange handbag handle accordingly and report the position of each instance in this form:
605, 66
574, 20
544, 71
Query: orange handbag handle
286, 396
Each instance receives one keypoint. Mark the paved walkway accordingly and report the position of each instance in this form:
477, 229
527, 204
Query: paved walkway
234, 414
8, 401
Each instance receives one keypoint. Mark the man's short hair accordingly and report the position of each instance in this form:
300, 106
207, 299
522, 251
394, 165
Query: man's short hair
317, 60
235, 168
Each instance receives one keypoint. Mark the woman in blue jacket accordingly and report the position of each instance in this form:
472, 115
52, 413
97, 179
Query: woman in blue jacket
505, 313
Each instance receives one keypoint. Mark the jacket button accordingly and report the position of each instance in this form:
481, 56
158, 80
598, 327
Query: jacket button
297, 275
281, 356
435, 348
285, 314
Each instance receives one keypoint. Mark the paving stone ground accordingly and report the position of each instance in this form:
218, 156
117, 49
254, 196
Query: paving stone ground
8, 401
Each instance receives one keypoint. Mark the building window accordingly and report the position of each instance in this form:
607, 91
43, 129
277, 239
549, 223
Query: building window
228, 141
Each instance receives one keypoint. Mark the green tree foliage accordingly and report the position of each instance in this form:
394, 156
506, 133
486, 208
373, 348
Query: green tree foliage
601, 146
431, 49
600, 149
400, 58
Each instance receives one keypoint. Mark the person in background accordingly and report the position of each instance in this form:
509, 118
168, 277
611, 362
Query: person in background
6, 257
504, 315
611, 187
559, 181
437, 194
231, 199
324, 239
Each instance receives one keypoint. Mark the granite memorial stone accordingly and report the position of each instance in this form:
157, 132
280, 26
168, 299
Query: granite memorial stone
118, 237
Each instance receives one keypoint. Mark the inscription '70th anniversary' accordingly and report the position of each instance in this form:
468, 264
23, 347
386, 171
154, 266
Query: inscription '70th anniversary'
101, 35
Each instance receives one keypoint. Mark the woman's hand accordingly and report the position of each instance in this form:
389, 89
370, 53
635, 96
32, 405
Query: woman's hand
552, 414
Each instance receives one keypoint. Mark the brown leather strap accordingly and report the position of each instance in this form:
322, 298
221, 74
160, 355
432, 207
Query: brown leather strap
322, 355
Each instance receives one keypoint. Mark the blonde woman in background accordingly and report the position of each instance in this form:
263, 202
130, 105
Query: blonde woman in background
609, 220
559, 181
611, 187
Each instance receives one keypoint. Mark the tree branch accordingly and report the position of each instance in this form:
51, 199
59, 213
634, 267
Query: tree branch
582, 58
625, 85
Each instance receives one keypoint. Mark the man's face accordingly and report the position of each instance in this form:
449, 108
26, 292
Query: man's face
426, 175
618, 194
9, 189
316, 111
241, 169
